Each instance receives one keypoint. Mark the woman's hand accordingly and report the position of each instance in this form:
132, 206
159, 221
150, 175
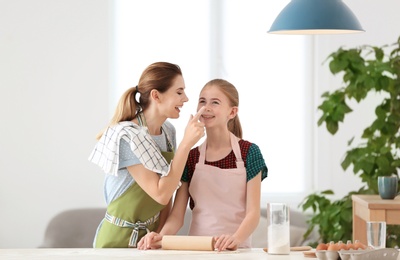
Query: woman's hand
151, 240
194, 130
226, 242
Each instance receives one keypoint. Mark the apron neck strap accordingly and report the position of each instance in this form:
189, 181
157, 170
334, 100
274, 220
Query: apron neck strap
235, 147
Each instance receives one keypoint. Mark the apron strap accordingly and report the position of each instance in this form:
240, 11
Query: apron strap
236, 150
202, 150
135, 226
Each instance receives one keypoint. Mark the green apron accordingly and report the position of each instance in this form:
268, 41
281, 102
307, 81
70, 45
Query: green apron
130, 216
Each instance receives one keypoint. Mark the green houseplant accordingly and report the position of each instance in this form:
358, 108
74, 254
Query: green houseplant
364, 70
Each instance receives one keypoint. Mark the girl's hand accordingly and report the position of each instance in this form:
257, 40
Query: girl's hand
226, 242
151, 240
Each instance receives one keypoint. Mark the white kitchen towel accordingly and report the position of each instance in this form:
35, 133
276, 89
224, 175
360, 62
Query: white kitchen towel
106, 152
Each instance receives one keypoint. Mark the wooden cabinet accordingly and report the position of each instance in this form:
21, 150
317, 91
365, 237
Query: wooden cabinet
373, 208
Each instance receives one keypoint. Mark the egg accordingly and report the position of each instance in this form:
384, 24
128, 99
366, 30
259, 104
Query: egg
350, 245
333, 247
341, 246
359, 245
322, 246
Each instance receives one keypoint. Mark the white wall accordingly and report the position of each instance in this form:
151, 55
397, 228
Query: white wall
54, 83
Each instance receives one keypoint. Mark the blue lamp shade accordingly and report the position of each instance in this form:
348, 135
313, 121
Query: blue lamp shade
316, 17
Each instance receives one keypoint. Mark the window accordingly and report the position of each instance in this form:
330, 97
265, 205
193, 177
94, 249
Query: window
228, 39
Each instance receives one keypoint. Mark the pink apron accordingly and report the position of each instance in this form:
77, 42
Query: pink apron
219, 196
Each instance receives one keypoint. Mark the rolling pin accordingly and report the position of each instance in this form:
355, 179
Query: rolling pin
195, 243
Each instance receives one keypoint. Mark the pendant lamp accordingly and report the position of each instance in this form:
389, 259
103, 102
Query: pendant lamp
316, 17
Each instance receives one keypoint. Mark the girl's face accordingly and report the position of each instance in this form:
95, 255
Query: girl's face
172, 100
218, 109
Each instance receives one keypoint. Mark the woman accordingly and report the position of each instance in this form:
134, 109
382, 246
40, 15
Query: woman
136, 152
222, 177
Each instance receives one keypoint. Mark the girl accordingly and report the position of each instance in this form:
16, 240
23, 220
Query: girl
136, 152
222, 177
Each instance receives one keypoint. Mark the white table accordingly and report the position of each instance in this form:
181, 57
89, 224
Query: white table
122, 254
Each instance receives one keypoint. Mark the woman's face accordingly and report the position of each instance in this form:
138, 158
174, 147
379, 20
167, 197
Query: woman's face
173, 99
218, 109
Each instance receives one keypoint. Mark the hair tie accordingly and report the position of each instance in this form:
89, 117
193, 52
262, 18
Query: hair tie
137, 89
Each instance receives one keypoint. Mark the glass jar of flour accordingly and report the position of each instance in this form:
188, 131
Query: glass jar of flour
278, 229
